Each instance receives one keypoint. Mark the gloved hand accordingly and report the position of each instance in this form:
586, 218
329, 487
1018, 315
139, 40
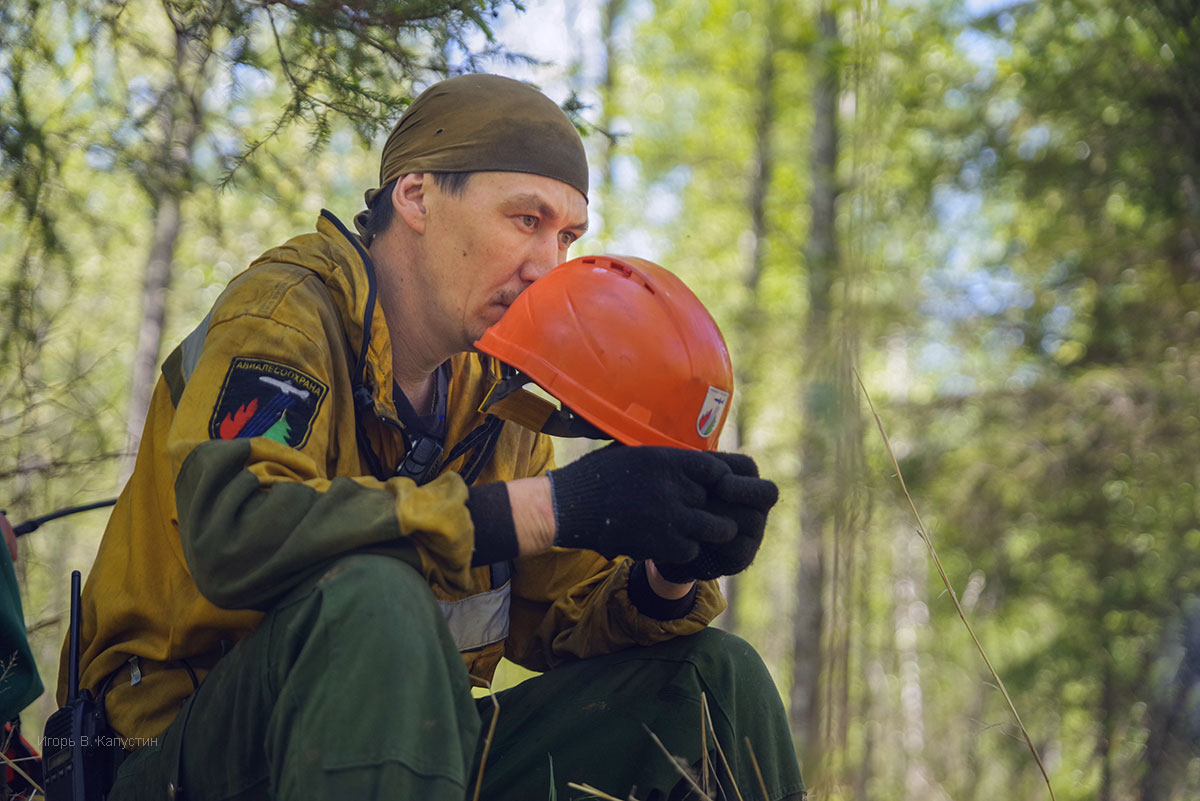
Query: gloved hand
743, 497
647, 502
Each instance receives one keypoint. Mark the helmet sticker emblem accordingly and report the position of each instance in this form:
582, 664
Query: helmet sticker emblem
710, 412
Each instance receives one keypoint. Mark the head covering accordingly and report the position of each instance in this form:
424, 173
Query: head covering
483, 123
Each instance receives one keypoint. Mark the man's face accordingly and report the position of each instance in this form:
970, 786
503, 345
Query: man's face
484, 246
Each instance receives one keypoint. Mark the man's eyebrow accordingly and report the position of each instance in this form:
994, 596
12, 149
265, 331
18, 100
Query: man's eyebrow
538, 203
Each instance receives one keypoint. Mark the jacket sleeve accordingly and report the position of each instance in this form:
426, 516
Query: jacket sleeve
573, 604
259, 511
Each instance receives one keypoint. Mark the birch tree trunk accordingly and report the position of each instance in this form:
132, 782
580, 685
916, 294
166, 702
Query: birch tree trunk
155, 282
911, 614
167, 182
818, 407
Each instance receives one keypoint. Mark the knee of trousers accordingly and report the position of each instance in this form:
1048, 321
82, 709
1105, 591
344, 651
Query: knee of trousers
369, 627
377, 601
375, 580
731, 668
745, 705
353, 670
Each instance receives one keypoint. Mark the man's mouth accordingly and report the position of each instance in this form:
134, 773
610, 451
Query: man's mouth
497, 309
507, 297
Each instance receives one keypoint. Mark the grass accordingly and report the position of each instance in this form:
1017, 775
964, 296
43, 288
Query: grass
706, 769
487, 743
924, 533
12, 763
7, 668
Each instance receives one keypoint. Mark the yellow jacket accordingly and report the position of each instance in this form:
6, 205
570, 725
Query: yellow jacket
211, 531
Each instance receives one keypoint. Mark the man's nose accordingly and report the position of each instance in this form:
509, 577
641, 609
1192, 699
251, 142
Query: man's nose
544, 257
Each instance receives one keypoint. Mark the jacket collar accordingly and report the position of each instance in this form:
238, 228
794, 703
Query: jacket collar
349, 274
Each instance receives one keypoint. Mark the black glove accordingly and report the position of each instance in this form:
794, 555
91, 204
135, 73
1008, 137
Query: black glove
742, 497
644, 502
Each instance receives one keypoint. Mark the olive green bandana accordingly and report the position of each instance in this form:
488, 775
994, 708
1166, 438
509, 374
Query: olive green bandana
483, 123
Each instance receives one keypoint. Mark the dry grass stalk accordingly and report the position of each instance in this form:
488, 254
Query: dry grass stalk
924, 533
704, 743
587, 788
706, 727
720, 752
487, 743
757, 770
9, 666
675, 763
4, 760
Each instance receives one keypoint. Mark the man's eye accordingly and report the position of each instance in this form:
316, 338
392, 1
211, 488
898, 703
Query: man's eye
529, 221
567, 239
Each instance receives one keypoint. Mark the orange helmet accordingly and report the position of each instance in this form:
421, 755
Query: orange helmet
626, 345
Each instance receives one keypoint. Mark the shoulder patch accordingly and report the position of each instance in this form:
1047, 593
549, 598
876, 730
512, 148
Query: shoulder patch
262, 398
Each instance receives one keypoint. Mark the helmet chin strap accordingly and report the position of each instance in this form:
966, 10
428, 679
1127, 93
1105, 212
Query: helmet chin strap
508, 400
566, 423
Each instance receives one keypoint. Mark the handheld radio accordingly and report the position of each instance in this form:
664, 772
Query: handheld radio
76, 760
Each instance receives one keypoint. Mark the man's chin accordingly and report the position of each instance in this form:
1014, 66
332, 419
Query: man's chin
487, 319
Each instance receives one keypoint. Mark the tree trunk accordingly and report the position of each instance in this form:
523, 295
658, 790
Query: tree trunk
819, 410
1172, 737
166, 182
1104, 746
608, 92
751, 318
156, 280
911, 614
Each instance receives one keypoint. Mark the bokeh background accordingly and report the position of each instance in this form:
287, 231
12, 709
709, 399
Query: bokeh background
990, 210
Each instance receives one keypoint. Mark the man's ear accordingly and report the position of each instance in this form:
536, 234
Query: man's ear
408, 199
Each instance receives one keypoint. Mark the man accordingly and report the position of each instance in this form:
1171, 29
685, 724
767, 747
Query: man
322, 535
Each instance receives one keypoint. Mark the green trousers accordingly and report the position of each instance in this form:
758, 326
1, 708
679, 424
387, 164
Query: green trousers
352, 688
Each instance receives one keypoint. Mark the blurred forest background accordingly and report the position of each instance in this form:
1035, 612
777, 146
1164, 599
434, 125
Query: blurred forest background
990, 209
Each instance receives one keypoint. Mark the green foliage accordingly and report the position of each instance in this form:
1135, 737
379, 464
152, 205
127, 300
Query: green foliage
1065, 477
1092, 118
1019, 242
